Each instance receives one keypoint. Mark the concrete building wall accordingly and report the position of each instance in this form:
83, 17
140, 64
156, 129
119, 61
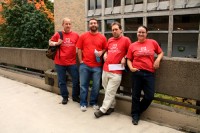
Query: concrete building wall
73, 9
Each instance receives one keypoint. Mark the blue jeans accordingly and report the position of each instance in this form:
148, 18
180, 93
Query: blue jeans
86, 74
142, 80
62, 80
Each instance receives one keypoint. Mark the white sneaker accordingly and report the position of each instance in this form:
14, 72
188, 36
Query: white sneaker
96, 107
83, 108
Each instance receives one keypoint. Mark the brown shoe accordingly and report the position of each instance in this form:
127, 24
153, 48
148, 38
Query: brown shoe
109, 111
98, 114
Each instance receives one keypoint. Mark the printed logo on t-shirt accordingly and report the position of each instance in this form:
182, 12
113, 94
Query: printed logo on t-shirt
67, 42
114, 48
144, 51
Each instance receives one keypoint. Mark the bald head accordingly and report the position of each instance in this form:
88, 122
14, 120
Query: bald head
66, 19
66, 25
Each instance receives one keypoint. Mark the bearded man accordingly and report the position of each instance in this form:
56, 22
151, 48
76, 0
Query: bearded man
91, 45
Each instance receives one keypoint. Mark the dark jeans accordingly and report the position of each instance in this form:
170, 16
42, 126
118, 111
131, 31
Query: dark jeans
142, 80
62, 80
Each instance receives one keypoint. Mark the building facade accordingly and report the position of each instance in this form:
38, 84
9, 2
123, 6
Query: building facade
175, 24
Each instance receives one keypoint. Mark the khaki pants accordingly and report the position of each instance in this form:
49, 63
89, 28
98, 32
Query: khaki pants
110, 83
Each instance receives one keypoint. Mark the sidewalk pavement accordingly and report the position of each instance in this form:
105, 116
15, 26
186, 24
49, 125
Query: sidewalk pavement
26, 109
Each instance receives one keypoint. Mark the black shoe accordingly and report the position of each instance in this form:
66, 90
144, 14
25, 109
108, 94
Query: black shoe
65, 100
76, 99
135, 122
99, 114
109, 111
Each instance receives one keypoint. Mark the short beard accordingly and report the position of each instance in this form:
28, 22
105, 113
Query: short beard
93, 29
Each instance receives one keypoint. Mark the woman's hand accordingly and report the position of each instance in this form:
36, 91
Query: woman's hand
134, 69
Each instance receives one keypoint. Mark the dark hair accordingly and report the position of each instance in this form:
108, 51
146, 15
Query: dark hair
93, 19
143, 27
117, 23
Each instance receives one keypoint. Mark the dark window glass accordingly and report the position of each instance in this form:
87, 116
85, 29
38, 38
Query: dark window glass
131, 24
151, 1
117, 3
91, 4
98, 4
185, 45
186, 22
128, 2
99, 23
138, 1
108, 3
163, 0
158, 23
109, 22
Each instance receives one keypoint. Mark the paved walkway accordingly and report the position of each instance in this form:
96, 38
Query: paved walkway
26, 109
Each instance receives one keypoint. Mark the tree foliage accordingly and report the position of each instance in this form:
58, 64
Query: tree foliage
25, 26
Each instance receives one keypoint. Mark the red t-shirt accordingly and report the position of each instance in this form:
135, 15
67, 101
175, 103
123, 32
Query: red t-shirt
88, 43
142, 54
67, 48
117, 49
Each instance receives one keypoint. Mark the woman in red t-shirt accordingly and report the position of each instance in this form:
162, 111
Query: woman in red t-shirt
141, 63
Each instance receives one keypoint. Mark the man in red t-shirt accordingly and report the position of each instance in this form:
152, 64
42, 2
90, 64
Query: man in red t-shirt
91, 45
65, 60
117, 47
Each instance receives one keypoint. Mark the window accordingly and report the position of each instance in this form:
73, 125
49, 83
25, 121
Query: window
91, 4
94, 4
128, 2
108, 3
98, 5
112, 3
158, 23
117, 3
185, 45
185, 35
151, 1
186, 22
138, 1
131, 24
